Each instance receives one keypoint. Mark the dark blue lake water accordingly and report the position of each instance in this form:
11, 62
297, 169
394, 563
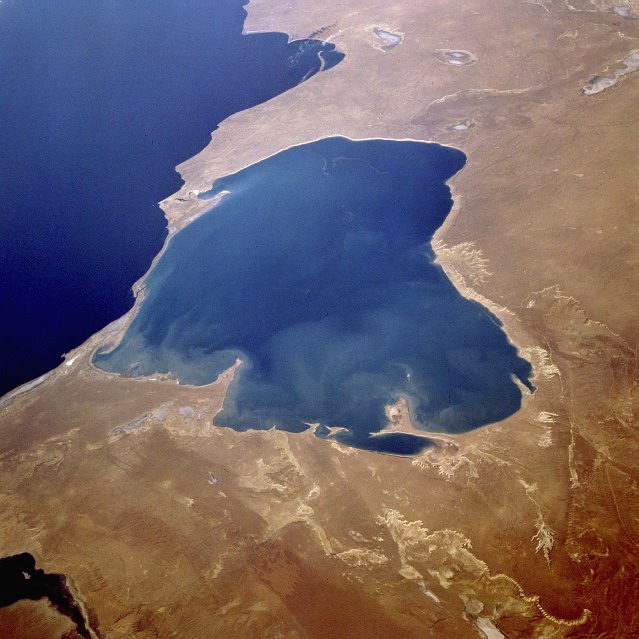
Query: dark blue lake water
99, 101
317, 272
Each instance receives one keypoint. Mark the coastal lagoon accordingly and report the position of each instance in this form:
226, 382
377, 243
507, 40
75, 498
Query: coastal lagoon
315, 270
100, 101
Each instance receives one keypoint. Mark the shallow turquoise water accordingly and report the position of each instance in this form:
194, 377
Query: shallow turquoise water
317, 272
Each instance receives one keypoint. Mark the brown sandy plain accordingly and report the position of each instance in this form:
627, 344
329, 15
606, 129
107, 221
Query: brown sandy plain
526, 528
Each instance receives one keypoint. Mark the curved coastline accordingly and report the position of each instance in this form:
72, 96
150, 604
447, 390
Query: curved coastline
140, 362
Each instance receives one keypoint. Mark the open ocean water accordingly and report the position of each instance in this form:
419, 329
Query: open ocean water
99, 101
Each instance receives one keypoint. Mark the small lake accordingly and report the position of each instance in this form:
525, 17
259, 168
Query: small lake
316, 271
99, 102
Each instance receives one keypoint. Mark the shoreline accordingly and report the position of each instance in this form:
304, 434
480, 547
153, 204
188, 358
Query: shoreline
112, 334
467, 292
